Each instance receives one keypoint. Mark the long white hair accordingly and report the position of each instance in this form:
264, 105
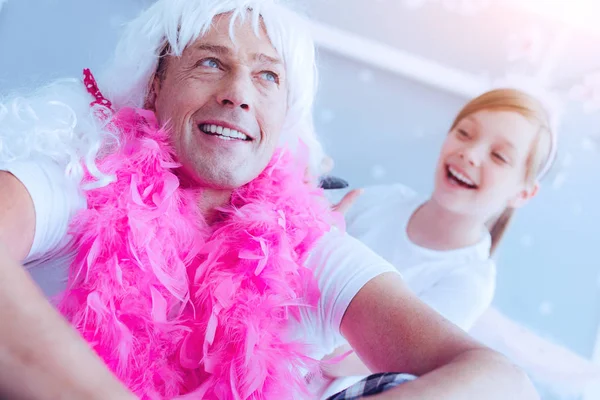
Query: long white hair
57, 121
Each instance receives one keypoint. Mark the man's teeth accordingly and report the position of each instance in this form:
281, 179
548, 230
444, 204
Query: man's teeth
460, 177
222, 132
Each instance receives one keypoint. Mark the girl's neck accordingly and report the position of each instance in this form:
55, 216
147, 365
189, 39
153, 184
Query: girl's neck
436, 228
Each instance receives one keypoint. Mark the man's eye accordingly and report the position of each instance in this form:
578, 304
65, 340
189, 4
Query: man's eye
209, 62
270, 76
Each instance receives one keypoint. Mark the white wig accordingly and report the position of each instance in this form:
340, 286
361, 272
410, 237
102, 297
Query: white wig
57, 121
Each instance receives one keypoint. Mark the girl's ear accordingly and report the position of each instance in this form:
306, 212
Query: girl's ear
522, 197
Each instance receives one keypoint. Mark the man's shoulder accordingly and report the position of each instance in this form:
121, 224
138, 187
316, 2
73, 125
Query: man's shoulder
337, 250
56, 198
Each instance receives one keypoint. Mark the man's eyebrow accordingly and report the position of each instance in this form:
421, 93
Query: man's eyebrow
213, 48
261, 57
224, 50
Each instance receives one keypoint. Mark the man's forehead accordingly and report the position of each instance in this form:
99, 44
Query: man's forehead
227, 37
224, 50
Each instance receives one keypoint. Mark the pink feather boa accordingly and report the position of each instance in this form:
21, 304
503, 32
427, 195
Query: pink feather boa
178, 309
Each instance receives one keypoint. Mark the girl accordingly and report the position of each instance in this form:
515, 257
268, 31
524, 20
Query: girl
498, 148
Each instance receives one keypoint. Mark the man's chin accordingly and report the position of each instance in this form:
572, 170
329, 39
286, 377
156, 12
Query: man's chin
223, 181
222, 172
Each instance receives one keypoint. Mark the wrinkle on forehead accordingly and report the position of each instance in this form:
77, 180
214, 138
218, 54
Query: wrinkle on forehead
238, 18
236, 21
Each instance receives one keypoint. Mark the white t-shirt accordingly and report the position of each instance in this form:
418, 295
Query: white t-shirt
459, 284
342, 265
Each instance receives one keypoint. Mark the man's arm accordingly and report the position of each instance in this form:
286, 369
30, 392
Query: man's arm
460, 297
17, 216
393, 331
41, 356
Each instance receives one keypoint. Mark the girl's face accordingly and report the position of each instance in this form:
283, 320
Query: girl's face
483, 164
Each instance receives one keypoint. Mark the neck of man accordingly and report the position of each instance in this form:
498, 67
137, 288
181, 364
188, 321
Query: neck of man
435, 227
210, 200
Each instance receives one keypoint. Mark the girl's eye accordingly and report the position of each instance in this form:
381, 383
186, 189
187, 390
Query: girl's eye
500, 157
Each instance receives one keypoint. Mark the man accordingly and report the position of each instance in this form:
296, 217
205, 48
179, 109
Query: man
233, 82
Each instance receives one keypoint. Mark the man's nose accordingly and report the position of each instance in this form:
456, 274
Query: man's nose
237, 91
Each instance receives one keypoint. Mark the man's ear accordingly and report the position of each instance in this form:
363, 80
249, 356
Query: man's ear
150, 103
523, 197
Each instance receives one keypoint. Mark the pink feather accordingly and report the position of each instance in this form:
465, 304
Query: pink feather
178, 309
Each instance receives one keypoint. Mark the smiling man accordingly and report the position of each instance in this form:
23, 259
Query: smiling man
225, 102
199, 261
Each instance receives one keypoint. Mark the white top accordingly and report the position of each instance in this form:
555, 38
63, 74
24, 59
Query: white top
459, 284
342, 264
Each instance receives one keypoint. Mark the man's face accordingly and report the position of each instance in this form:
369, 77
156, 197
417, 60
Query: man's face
224, 104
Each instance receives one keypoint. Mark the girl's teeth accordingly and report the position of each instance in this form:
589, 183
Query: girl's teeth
460, 177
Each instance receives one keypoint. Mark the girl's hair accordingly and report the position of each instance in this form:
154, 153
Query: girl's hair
543, 150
